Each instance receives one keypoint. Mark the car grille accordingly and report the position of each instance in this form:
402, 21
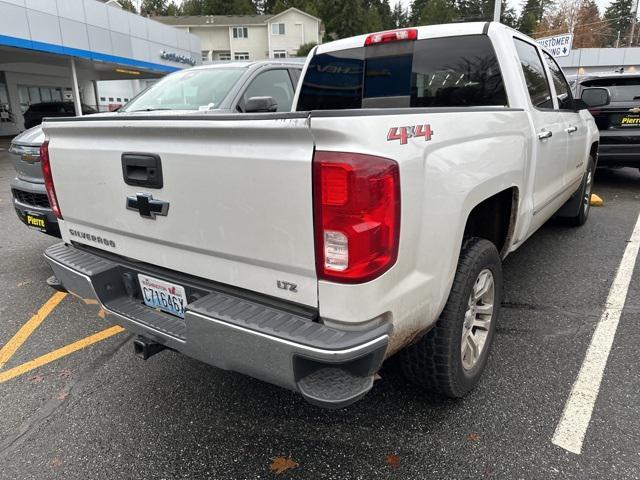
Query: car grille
33, 199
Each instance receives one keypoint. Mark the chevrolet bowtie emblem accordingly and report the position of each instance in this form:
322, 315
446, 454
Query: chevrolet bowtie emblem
635, 110
146, 206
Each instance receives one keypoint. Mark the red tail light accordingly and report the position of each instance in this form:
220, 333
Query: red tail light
357, 215
391, 36
48, 178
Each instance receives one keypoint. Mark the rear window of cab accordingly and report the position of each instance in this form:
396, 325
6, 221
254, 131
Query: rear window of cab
460, 71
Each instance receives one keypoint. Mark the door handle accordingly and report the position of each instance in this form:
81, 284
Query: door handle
545, 134
571, 129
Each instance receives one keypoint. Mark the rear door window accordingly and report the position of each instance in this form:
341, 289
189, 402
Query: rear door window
534, 74
458, 71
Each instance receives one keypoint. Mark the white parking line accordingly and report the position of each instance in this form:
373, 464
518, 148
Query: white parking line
575, 419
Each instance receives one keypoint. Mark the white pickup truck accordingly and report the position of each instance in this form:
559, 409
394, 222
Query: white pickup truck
303, 248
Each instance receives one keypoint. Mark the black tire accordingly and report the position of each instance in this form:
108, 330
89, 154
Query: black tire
585, 195
435, 362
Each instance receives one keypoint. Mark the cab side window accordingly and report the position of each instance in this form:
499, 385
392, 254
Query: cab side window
272, 83
563, 92
534, 74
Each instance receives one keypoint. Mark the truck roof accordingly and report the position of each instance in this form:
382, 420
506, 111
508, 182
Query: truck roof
429, 31
293, 62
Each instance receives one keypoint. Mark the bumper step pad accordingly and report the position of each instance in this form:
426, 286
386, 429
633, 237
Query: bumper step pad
332, 387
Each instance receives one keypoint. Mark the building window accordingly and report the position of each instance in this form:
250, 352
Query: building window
224, 56
111, 99
279, 54
205, 55
277, 28
241, 55
240, 32
29, 95
103, 99
126, 99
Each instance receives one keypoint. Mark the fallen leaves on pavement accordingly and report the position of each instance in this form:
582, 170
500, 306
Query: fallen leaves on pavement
282, 464
473, 437
393, 460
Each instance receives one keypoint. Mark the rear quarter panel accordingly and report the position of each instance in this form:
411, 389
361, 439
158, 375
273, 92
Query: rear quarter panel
472, 155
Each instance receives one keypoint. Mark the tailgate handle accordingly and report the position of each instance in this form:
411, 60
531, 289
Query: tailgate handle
142, 169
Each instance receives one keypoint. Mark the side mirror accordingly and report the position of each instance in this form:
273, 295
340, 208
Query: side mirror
260, 104
596, 97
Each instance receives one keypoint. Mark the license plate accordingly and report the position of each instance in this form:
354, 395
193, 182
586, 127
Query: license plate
166, 296
630, 121
36, 220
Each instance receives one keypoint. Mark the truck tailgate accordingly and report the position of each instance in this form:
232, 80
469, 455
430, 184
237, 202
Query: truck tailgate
239, 193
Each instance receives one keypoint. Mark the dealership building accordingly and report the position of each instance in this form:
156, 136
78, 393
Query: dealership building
52, 50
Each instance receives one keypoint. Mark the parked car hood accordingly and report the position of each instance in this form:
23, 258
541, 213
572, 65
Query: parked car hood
35, 135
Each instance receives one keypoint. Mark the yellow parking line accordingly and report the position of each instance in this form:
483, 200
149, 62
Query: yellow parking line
28, 328
61, 352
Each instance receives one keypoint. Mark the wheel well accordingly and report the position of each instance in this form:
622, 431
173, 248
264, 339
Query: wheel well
494, 219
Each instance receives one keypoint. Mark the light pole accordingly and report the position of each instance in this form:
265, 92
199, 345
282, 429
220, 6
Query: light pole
498, 5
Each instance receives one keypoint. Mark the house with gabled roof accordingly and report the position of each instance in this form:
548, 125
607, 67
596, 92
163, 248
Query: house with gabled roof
250, 37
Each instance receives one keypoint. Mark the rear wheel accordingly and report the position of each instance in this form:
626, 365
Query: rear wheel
585, 195
451, 357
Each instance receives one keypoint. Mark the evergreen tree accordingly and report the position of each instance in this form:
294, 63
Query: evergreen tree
128, 5
508, 15
399, 16
265, 7
619, 14
531, 15
348, 19
228, 7
153, 7
308, 6
172, 9
438, 11
415, 14
192, 7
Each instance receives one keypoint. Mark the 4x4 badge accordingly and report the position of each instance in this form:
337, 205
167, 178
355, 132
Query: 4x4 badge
146, 206
405, 133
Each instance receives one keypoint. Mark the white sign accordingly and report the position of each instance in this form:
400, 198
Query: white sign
558, 45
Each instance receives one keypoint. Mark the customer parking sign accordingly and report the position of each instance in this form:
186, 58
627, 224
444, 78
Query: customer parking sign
558, 45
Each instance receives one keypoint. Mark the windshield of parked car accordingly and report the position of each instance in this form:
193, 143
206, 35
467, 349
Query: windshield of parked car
201, 89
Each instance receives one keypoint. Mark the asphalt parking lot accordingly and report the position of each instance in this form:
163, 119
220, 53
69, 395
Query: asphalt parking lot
76, 403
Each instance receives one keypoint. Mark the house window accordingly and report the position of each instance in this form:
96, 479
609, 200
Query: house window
277, 28
279, 54
240, 32
241, 55
224, 56
205, 55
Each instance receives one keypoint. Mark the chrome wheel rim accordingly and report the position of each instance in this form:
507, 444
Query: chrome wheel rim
587, 191
477, 319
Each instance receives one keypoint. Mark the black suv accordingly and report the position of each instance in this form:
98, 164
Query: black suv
614, 102
37, 111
